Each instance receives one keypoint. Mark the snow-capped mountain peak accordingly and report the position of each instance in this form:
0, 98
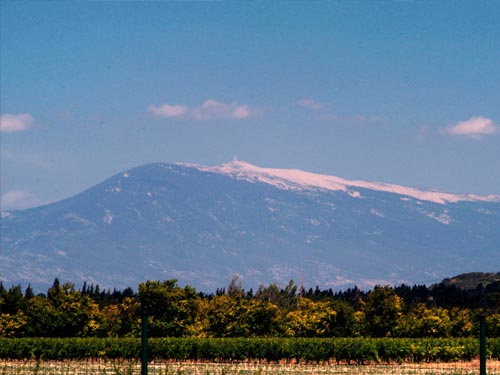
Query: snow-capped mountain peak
199, 224
295, 179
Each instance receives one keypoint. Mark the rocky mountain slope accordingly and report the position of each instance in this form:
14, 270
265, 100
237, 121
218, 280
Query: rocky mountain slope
201, 225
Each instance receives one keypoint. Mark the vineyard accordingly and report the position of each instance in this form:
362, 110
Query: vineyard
399, 330
349, 351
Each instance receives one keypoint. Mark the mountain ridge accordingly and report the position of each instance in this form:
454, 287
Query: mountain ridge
201, 225
242, 169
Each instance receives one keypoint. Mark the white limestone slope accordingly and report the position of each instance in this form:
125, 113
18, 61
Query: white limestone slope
294, 179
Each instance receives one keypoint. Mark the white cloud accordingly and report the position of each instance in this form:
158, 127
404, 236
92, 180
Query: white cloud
18, 199
15, 123
241, 111
168, 110
475, 127
310, 104
209, 109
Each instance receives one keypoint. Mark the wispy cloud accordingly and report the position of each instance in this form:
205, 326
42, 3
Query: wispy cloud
19, 199
209, 109
354, 119
309, 104
168, 110
15, 123
475, 127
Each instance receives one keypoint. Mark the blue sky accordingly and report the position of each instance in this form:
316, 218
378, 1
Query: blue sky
399, 92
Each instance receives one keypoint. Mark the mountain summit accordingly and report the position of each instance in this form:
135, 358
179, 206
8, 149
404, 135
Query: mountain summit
294, 179
201, 225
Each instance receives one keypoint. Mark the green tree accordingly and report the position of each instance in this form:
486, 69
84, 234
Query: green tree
42, 318
120, 319
382, 310
493, 325
12, 325
12, 301
310, 319
28, 293
64, 313
344, 324
259, 317
283, 298
461, 322
423, 321
173, 310
223, 314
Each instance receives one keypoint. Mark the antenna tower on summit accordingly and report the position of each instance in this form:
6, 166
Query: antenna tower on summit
235, 158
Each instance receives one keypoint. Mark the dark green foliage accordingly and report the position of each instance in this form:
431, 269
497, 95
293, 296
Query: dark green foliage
382, 310
173, 309
310, 350
12, 300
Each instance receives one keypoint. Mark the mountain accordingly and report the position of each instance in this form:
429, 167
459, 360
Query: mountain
202, 225
472, 280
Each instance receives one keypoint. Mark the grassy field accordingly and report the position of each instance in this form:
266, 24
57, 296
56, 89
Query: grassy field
165, 368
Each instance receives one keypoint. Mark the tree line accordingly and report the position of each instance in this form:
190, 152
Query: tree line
271, 311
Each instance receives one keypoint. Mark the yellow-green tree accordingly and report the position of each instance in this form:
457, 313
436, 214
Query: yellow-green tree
461, 322
173, 310
423, 321
493, 325
382, 310
310, 319
64, 313
12, 325
235, 316
118, 320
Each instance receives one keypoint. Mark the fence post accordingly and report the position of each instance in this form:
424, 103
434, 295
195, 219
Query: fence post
482, 345
144, 342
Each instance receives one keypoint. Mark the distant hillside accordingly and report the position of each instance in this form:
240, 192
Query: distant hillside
471, 280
